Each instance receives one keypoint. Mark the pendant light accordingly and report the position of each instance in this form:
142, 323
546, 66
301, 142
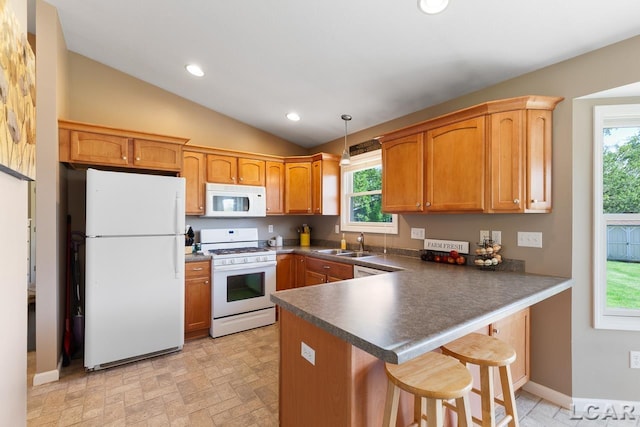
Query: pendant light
346, 158
431, 7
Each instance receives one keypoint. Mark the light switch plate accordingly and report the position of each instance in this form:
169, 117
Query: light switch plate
530, 239
484, 235
417, 233
337, 229
496, 236
270, 228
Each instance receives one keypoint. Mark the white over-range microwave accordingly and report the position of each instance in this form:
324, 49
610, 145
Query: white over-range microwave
232, 201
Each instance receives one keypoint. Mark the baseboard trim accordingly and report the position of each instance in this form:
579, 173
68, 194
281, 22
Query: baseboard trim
549, 394
585, 408
48, 376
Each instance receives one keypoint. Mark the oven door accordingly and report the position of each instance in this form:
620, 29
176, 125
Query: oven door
242, 288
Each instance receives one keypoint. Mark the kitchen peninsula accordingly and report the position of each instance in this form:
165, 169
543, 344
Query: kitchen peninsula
335, 337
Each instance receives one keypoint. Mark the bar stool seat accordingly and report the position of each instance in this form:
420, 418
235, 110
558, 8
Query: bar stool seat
488, 353
432, 378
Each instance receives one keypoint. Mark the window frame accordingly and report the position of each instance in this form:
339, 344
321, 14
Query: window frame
359, 162
608, 116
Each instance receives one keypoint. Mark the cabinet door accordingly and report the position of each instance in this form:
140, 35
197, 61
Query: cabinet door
99, 149
251, 172
197, 299
538, 161
455, 167
222, 169
156, 155
301, 270
298, 188
506, 158
515, 331
285, 272
325, 182
193, 165
314, 278
402, 174
275, 187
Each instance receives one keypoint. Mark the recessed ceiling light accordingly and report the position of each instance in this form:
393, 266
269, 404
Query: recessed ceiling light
195, 70
432, 7
294, 117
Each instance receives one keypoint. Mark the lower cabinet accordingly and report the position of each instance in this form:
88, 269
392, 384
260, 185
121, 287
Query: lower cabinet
322, 271
285, 272
515, 330
197, 299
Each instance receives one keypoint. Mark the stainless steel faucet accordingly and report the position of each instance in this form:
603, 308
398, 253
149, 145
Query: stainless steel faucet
360, 240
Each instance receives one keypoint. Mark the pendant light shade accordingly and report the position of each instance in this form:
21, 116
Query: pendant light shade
346, 158
432, 7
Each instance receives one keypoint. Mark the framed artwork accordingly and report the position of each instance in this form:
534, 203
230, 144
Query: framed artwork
17, 98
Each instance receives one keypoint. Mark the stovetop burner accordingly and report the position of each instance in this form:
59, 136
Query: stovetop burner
230, 251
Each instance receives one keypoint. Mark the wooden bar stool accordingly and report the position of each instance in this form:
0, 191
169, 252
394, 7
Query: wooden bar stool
488, 352
432, 378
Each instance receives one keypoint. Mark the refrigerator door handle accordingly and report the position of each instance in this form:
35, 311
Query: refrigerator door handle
177, 212
176, 256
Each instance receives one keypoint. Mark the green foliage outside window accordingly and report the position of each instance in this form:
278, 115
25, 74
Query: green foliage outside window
367, 207
621, 177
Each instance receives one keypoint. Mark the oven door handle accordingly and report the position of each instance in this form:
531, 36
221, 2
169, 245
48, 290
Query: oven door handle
244, 266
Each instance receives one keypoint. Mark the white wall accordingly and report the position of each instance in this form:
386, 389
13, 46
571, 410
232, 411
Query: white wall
13, 285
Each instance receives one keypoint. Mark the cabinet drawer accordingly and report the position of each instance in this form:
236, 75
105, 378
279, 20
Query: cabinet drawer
330, 268
197, 269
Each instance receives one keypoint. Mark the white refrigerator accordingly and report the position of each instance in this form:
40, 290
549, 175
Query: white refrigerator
134, 280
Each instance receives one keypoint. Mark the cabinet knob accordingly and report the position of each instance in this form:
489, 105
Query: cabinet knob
496, 331
534, 201
206, 282
326, 266
137, 159
241, 179
516, 201
418, 205
427, 204
233, 178
197, 269
124, 157
201, 207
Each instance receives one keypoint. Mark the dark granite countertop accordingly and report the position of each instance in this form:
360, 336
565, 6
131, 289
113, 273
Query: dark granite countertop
402, 315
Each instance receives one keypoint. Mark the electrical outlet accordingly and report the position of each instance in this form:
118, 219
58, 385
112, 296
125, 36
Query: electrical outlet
530, 239
634, 359
337, 229
270, 228
496, 236
417, 233
484, 235
308, 353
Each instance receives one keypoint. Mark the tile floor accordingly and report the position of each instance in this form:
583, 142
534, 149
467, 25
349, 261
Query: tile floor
229, 381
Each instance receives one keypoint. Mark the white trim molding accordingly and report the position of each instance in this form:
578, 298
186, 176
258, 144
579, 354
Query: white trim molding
548, 394
48, 376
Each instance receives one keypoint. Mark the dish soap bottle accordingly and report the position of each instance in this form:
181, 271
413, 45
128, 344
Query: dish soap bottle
343, 243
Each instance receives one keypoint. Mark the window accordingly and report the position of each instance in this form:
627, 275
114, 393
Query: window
617, 217
362, 196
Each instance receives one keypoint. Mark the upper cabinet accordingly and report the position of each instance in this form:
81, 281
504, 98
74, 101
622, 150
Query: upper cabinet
312, 185
193, 170
235, 170
493, 157
92, 145
275, 183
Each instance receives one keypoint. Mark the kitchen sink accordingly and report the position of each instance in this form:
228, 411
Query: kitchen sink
356, 254
341, 252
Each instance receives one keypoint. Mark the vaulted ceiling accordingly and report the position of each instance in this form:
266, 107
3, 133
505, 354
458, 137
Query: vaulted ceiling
375, 60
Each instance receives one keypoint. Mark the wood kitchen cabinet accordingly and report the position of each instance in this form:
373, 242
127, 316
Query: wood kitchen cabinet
455, 167
197, 299
297, 197
93, 145
275, 187
520, 162
235, 170
325, 181
493, 157
193, 170
285, 271
402, 174
312, 185
322, 271
515, 330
